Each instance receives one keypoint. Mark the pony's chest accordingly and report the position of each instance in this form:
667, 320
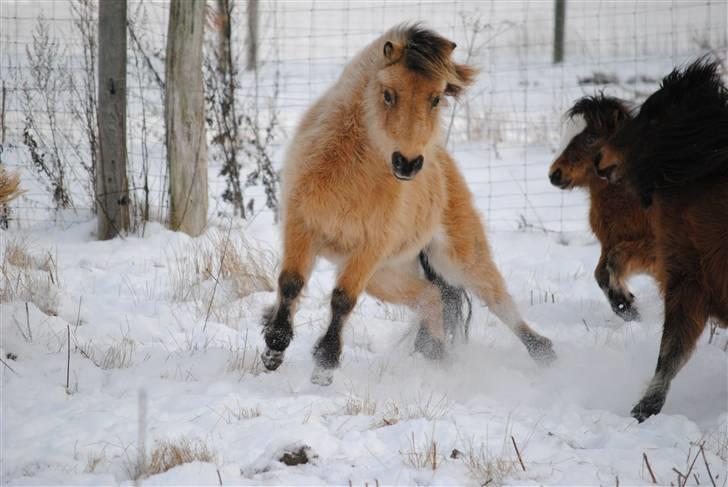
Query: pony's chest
352, 212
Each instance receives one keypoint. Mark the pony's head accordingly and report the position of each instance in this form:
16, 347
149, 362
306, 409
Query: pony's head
415, 74
590, 122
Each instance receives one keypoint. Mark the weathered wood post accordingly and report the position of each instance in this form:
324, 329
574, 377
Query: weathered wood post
185, 117
112, 189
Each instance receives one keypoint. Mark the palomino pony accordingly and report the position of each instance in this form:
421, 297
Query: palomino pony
674, 156
616, 218
368, 184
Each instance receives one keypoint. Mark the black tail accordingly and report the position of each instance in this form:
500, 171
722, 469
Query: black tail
681, 132
454, 301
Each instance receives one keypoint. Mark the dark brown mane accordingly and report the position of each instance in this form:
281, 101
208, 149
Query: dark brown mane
427, 53
601, 113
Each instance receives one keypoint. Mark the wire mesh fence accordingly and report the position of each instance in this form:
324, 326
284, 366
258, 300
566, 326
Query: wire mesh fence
504, 132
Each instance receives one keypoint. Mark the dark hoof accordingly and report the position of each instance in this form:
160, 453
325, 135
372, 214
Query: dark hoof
272, 359
322, 376
627, 312
648, 406
430, 347
541, 349
277, 332
623, 306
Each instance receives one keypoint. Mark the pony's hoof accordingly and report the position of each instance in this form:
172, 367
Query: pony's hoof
430, 347
541, 350
627, 312
272, 359
623, 306
648, 406
322, 376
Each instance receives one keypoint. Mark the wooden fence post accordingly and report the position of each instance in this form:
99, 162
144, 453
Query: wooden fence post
185, 117
112, 188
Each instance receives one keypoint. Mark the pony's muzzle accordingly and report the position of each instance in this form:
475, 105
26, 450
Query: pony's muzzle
405, 169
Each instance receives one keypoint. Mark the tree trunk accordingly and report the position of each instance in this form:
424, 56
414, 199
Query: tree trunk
112, 189
184, 114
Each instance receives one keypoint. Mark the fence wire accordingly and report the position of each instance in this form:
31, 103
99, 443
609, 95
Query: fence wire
504, 132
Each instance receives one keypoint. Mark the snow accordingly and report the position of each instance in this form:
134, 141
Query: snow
571, 421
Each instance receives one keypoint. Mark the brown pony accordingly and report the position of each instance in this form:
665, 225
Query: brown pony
674, 157
616, 218
368, 184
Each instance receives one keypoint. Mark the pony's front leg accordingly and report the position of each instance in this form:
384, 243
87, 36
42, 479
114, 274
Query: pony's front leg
625, 259
298, 257
351, 282
611, 283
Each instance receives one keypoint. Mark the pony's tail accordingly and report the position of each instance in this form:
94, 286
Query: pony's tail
693, 142
455, 300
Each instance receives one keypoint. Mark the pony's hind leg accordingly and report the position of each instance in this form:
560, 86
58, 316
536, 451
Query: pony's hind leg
685, 317
404, 286
455, 322
466, 252
502, 305
350, 284
471, 257
466, 257
277, 320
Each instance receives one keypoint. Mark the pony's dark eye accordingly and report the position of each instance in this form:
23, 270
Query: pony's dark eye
590, 139
388, 98
435, 101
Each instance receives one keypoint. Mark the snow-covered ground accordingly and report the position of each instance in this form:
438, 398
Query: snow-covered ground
135, 327
164, 345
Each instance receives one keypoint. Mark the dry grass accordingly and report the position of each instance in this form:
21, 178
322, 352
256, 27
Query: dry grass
716, 442
355, 406
169, 454
237, 413
421, 406
119, 355
486, 468
232, 267
244, 360
93, 460
29, 275
424, 454
214, 257
9, 186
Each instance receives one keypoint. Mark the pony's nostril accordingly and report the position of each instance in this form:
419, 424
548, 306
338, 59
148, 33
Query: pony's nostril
418, 162
398, 160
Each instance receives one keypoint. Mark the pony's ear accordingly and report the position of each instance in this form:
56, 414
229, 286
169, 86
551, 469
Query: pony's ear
465, 75
392, 52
